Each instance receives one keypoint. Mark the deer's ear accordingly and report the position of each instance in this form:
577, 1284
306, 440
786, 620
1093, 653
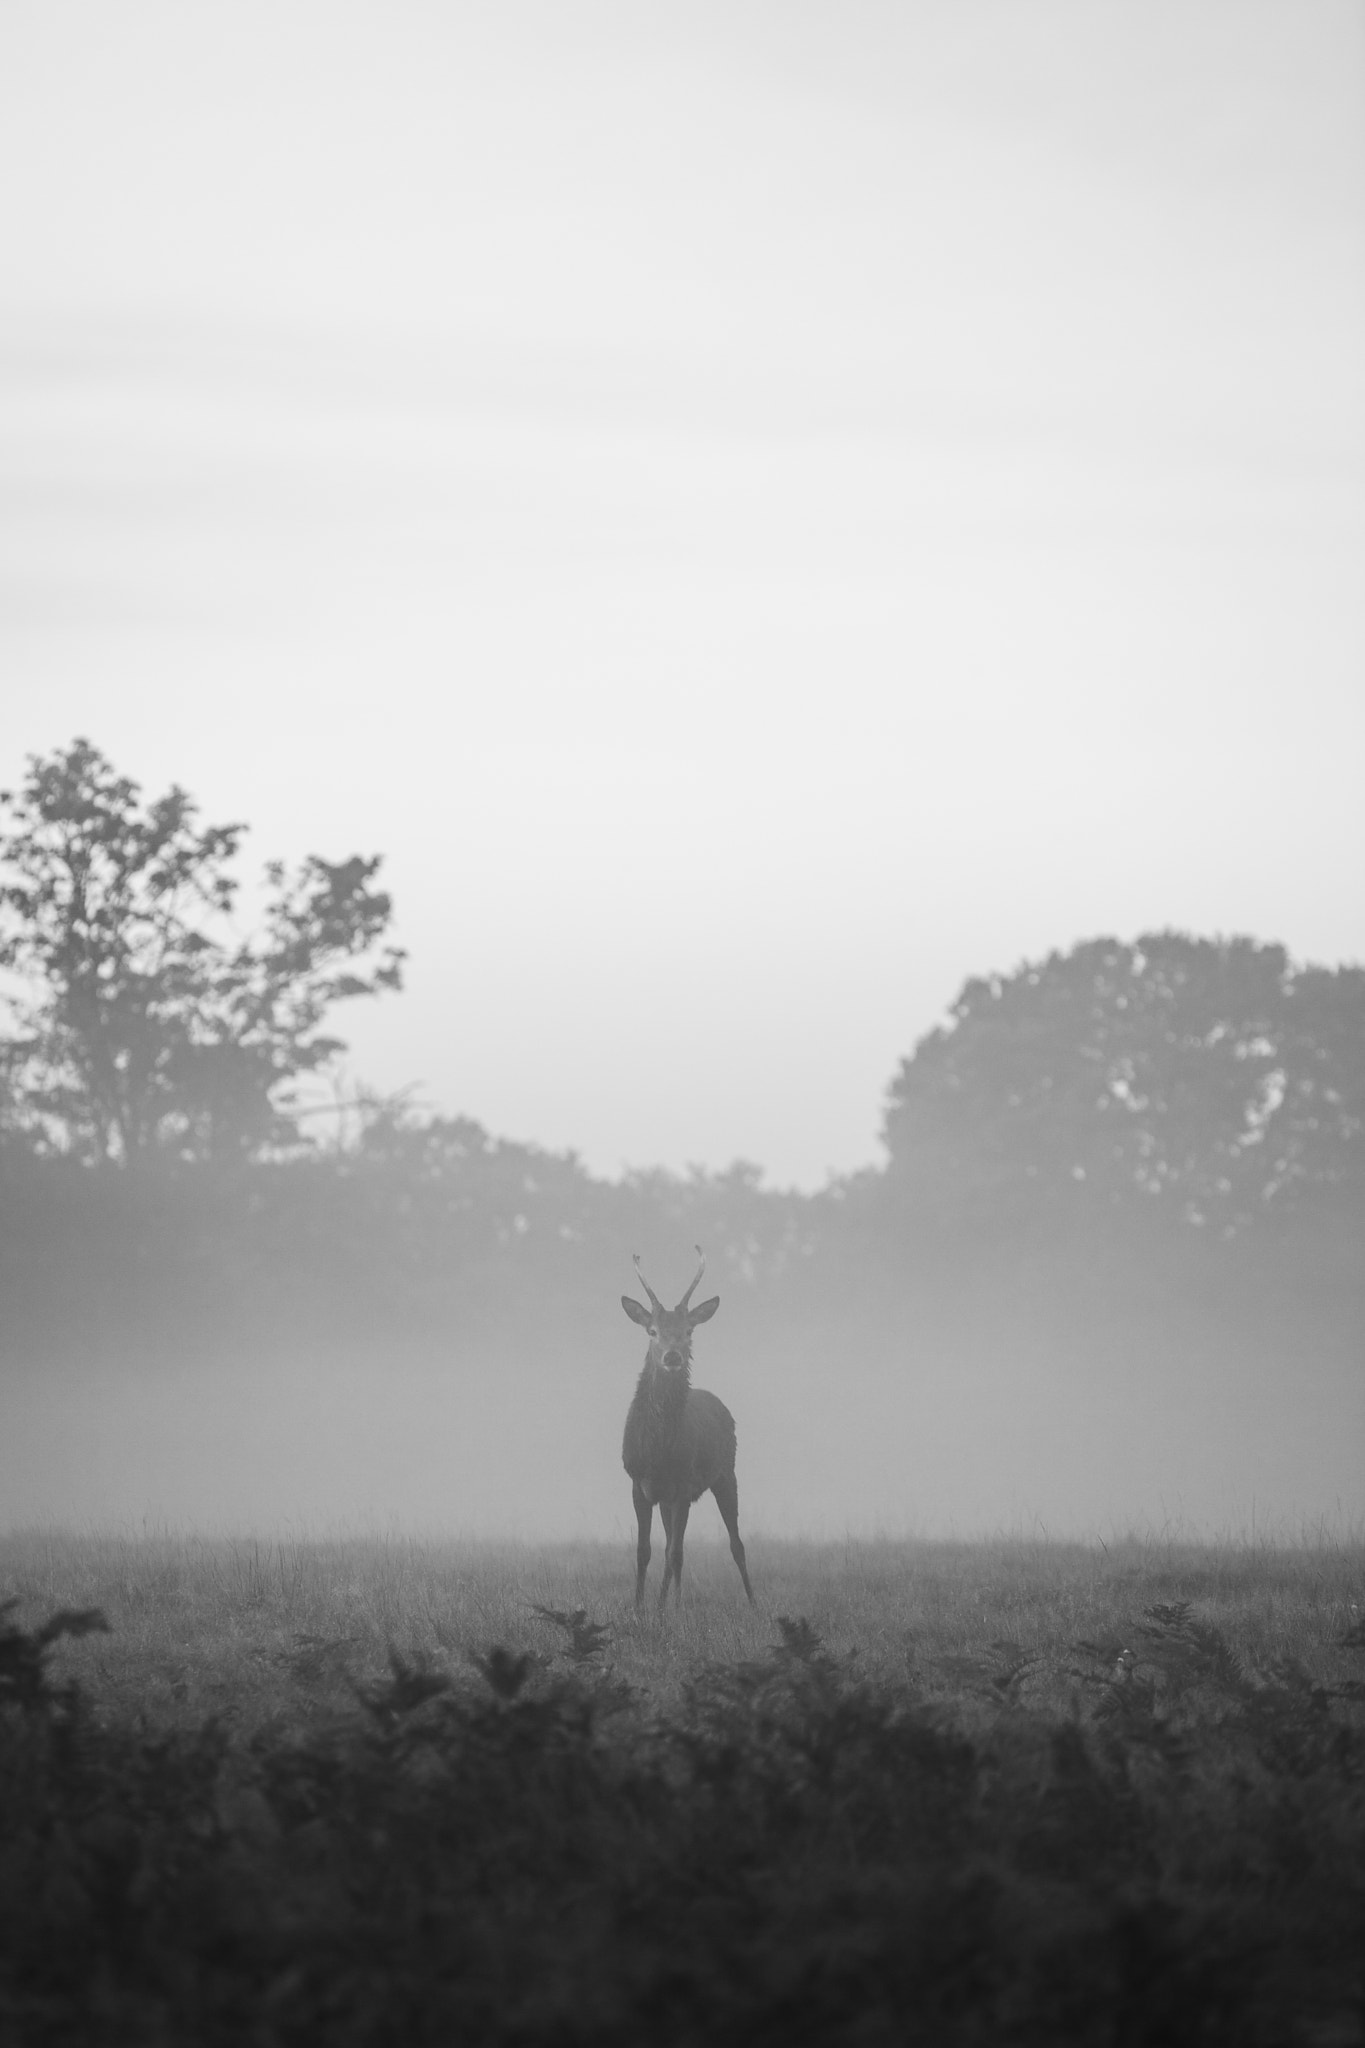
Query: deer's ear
704, 1310
634, 1311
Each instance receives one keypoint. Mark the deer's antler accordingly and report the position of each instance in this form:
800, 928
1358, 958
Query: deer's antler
655, 1302
695, 1277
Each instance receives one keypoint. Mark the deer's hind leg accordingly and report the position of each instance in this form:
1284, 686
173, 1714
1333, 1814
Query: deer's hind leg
726, 1490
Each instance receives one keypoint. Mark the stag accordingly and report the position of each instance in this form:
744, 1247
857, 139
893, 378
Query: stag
679, 1440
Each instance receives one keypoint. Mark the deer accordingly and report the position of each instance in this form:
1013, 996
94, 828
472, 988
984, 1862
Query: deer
679, 1440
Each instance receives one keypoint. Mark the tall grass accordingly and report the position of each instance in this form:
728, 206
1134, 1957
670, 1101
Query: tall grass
211, 1624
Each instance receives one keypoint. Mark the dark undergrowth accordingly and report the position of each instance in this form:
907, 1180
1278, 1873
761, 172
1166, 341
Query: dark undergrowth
798, 1853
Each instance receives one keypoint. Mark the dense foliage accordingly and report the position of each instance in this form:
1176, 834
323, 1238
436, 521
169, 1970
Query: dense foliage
1211, 1076
144, 1031
798, 1853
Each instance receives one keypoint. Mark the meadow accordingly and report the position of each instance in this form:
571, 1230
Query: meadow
383, 1789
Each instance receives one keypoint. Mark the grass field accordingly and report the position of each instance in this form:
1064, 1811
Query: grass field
387, 1790
251, 1629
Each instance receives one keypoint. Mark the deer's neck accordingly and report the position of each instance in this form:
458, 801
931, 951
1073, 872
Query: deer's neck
661, 1399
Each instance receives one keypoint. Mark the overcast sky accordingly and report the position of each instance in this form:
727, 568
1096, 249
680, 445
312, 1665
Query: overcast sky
757, 511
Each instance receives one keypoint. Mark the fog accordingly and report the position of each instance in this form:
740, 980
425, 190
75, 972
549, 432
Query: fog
1000, 1393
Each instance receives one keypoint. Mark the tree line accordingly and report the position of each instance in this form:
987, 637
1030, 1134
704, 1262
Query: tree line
155, 1067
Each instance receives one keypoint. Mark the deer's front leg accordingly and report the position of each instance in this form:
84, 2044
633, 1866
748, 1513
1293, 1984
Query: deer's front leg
644, 1515
675, 1548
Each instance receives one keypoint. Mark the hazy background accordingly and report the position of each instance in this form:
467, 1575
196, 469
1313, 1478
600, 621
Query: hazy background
758, 514
368, 1350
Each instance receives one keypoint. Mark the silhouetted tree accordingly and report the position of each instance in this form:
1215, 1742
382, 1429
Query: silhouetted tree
1213, 1075
144, 1030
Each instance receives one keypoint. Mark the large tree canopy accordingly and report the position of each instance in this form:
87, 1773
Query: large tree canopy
141, 1027
1212, 1075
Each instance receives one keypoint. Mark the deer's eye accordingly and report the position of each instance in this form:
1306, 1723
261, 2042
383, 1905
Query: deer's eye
653, 1329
